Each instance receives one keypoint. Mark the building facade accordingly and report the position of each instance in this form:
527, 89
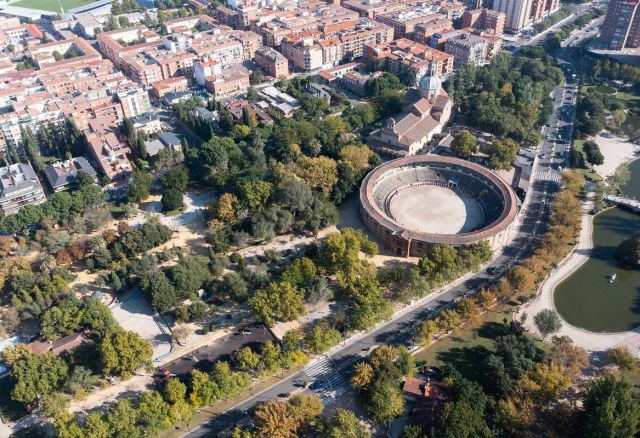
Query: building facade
19, 186
621, 26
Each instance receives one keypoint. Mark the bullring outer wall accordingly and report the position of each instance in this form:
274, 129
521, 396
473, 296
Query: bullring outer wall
406, 242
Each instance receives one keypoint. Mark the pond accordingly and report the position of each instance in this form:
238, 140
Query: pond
586, 299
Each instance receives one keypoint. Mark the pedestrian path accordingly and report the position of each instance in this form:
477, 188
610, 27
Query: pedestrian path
548, 175
325, 375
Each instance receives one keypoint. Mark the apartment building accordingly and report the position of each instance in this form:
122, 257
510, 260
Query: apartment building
108, 149
468, 48
273, 62
230, 81
172, 85
521, 13
423, 32
371, 9
621, 26
134, 101
404, 21
275, 25
19, 186
406, 57
314, 51
62, 175
486, 20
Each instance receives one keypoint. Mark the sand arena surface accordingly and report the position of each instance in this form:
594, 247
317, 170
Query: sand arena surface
436, 210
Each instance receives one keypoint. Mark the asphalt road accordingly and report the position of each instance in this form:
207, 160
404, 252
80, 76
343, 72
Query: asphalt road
331, 372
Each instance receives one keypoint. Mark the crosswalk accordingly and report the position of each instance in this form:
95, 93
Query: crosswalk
325, 376
547, 175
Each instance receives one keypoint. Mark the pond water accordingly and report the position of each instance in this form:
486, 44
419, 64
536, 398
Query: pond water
586, 299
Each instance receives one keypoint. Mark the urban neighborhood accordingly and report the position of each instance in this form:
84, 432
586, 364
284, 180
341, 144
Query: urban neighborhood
320, 218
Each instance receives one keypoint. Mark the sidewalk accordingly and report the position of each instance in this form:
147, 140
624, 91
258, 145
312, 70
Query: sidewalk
590, 341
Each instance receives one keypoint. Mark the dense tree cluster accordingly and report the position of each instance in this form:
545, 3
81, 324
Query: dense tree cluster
379, 382
61, 208
509, 98
113, 247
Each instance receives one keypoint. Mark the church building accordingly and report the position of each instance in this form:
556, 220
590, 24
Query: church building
406, 133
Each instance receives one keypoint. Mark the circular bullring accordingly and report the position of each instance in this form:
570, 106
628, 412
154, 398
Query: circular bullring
416, 201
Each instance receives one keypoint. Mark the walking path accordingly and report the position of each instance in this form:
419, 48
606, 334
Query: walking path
590, 341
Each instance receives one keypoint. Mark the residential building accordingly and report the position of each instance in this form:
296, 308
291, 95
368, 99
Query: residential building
149, 123
521, 13
165, 140
371, 9
228, 82
406, 57
108, 150
19, 186
486, 20
621, 26
281, 104
405, 20
172, 85
273, 62
423, 32
237, 108
468, 48
413, 129
315, 51
134, 101
62, 175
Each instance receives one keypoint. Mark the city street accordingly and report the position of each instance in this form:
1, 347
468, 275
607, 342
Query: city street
329, 374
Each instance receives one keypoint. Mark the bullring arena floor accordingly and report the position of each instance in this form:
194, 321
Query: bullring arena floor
435, 209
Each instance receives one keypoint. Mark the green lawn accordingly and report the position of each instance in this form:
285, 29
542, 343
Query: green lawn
51, 5
603, 89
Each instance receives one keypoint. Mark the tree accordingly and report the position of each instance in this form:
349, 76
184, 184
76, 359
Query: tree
570, 358
53, 404
405, 361
277, 302
461, 420
233, 286
543, 384
161, 293
412, 431
35, 375
362, 375
274, 420
247, 359
154, 412
628, 252
140, 187
388, 102
321, 337
61, 320
123, 352
609, 409
96, 426
622, 357
177, 178
384, 401
547, 321
426, 331
305, 408
502, 153
464, 144
319, 173
123, 419
592, 153
172, 199
343, 424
